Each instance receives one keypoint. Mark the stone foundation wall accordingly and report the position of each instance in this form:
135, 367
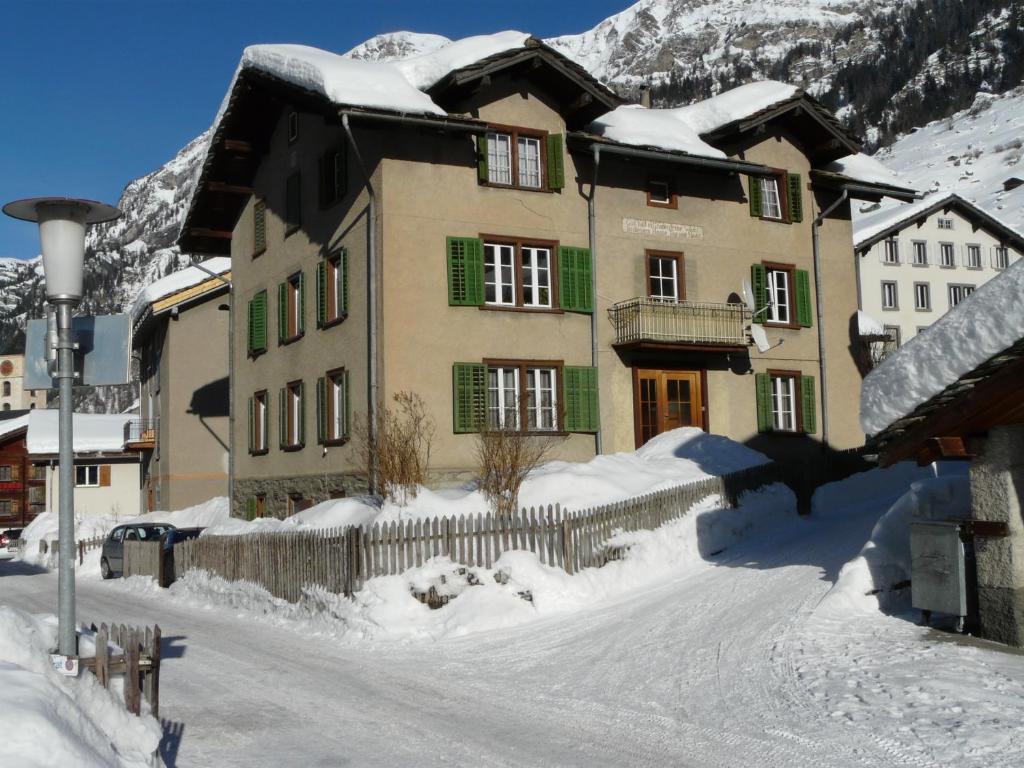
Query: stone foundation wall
278, 490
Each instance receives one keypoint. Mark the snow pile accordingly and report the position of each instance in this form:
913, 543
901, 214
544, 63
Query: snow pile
426, 70
680, 129
51, 720
93, 432
867, 325
958, 342
177, 281
865, 582
342, 81
525, 591
45, 527
201, 515
861, 167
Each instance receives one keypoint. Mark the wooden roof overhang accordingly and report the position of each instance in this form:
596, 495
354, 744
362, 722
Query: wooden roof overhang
583, 98
978, 218
862, 190
183, 299
824, 138
585, 140
990, 395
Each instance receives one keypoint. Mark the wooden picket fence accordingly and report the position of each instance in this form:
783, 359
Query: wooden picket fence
342, 560
136, 657
144, 558
83, 545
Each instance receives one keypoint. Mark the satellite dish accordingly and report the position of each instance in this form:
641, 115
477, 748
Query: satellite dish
748, 294
760, 338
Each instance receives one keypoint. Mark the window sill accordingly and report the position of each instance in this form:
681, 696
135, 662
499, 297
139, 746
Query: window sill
293, 447
672, 205
333, 322
890, 309
260, 252
921, 265
774, 220
787, 326
528, 310
922, 309
947, 266
290, 339
335, 442
260, 452
534, 433
254, 353
495, 185
974, 269
892, 263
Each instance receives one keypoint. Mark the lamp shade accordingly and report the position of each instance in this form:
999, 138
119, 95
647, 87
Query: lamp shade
62, 222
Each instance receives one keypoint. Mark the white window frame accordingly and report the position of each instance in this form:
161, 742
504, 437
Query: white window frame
961, 290
891, 251
784, 402
920, 253
502, 281
922, 296
293, 402
659, 260
947, 249
887, 287
1000, 257
335, 289
536, 278
944, 223
780, 294
259, 416
336, 427
530, 157
541, 412
502, 397
653, 196
90, 474
771, 199
499, 157
972, 256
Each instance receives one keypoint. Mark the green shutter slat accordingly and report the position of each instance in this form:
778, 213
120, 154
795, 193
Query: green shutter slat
252, 429
321, 410
808, 404
763, 388
754, 195
759, 284
301, 325
556, 161
348, 405
282, 312
481, 158
469, 383
343, 263
580, 396
302, 414
575, 292
804, 307
321, 294
465, 271
796, 199
282, 418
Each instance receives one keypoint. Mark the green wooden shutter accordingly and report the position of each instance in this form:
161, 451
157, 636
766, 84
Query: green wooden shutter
481, 158
346, 427
579, 395
251, 326
282, 311
300, 326
575, 292
556, 161
808, 404
301, 432
804, 307
754, 195
258, 323
282, 418
796, 200
763, 388
465, 271
252, 430
251, 508
259, 216
759, 284
470, 388
343, 266
321, 410
321, 294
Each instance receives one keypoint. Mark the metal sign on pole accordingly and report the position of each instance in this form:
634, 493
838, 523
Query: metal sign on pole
101, 355
62, 222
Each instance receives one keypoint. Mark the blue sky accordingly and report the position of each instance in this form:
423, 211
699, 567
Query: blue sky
94, 94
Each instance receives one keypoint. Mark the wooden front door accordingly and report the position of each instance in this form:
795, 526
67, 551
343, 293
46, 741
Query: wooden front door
666, 400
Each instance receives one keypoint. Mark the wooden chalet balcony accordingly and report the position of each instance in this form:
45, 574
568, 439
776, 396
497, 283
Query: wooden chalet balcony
656, 322
140, 434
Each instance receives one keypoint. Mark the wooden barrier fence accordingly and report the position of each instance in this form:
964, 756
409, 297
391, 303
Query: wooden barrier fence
144, 558
136, 657
341, 560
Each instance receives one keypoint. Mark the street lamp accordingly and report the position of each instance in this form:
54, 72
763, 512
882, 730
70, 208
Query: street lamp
62, 222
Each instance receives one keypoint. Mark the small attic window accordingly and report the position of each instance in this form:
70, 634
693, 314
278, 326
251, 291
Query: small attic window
293, 127
659, 194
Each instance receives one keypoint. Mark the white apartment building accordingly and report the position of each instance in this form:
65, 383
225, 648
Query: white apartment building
13, 395
918, 261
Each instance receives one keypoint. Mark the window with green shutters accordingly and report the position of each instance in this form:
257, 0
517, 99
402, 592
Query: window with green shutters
778, 197
521, 158
555, 161
259, 227
782, 295
469, 384
465, 271
575, 270
785, 402
258, 423
579, 393
794, 197
257, 324
332, 289
292, 416
291, 308
333, 407
804, 305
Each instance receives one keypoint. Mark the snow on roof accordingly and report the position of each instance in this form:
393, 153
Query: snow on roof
867, 325
983, 325
428, 69
177, 281
7, 426
347, 82
861, 167
869, 225
679, 129
92, 431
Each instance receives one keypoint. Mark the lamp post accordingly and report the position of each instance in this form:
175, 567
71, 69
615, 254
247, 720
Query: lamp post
62, 222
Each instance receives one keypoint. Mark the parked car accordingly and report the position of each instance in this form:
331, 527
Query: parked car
112, 556
9, 543
178, 535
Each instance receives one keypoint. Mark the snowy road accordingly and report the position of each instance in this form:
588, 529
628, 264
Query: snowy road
725, 666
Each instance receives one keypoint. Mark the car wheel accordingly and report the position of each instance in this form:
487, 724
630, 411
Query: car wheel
105, 569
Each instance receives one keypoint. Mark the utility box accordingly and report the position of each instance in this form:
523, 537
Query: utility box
939, 561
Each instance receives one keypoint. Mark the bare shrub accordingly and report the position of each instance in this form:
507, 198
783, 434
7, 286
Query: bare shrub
505, 457
399, 455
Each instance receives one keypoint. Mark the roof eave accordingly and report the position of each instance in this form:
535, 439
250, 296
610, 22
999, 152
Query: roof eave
668, 155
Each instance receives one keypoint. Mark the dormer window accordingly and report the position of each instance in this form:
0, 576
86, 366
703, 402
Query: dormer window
777, 197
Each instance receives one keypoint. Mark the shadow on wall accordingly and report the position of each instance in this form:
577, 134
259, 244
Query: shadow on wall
210, 400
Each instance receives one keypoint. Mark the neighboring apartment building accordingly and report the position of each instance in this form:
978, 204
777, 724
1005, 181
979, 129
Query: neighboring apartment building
22, 486
920, 260
489, 227
108, 475
13, 395
180, 335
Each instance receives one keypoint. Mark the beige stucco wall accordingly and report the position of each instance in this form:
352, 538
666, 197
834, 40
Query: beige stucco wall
120, 498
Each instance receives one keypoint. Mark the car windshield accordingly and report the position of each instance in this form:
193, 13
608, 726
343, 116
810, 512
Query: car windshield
152, 532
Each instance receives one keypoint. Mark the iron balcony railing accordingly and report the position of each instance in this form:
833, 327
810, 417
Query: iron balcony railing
140, 431
679, 322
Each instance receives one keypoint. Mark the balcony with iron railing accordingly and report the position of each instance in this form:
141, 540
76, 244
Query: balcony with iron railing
140, 434
695, 324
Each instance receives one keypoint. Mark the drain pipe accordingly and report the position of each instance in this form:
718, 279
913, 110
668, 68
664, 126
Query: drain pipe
371, 294
592, 234
820, 302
